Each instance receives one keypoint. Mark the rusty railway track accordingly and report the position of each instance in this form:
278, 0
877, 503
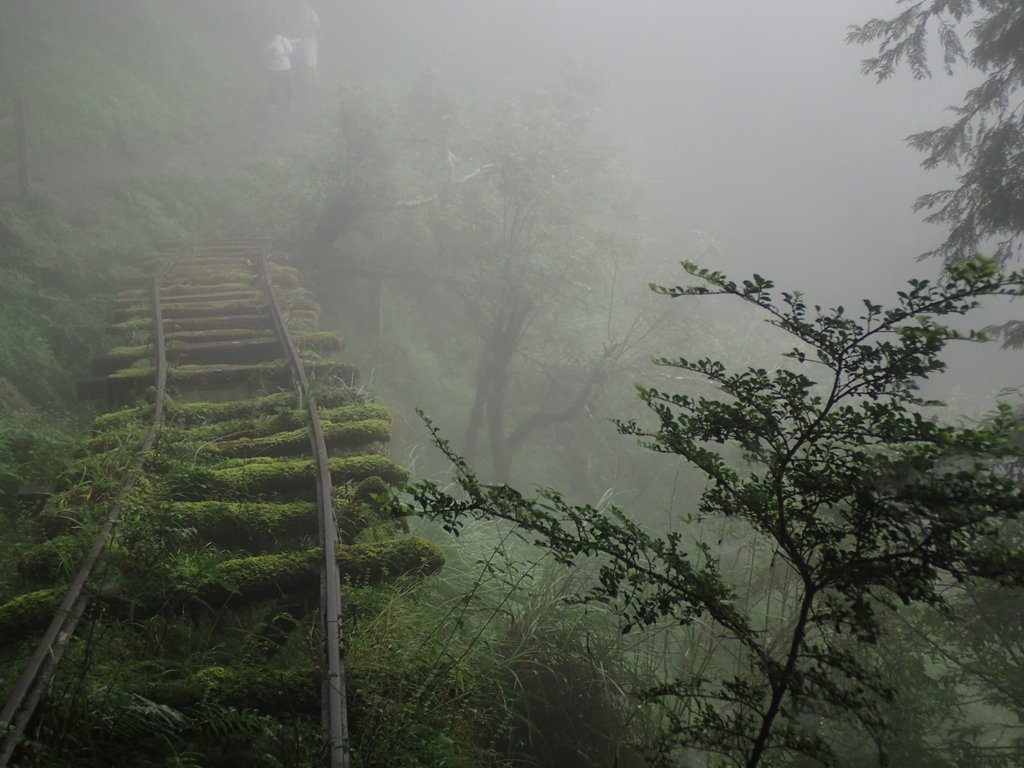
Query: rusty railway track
217, 323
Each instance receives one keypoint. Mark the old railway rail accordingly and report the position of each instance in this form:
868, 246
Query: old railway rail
247, 416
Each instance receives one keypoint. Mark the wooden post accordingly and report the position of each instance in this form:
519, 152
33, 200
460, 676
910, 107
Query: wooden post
21, 131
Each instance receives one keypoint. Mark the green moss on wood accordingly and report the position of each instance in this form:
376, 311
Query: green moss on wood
202, 277
303, 320
265, 424
190, 288
295, 442
131, 326
194, 414
356, 468
297, 299
319, 342
207, 294
220, 334
249, 524
253, 322
377, 562
250, 426
289, 573
358, 509
117, 420
367, 489
183, 349
191, 414
255, 525
284, 277
141, 369
347, 413
255, 577
206, 309
129, 353
281, 476
190, 376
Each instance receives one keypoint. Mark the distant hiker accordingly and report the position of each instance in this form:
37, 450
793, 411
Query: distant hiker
307, 29
279, 71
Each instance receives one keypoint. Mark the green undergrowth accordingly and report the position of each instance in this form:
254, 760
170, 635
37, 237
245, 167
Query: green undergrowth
173, 694
51, 320
29, 611
201, 643
106, 76
203, 634
496, 663
95, 107
55, 283
34, 447
209, 590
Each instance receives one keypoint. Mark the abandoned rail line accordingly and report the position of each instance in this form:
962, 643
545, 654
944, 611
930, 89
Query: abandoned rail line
238, 413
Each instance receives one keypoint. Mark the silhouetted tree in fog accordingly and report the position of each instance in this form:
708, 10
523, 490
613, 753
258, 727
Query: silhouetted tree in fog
985, 142
518, 215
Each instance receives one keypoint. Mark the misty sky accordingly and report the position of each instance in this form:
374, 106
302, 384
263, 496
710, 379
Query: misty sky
751, 118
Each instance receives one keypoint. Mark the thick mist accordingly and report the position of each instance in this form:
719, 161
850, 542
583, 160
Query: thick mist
752, 120
750, 125
575, 515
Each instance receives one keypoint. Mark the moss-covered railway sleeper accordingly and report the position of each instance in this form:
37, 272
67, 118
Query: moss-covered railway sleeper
213, 534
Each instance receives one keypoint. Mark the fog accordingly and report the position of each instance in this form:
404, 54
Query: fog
750, 123
752, 119
568, 521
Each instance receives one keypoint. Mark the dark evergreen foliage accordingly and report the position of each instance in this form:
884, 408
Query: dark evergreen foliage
986, 140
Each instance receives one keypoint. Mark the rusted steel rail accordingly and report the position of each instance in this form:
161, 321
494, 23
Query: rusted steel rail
24, 698
334, 698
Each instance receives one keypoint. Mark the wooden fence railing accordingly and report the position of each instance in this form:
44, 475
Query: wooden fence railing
21, 166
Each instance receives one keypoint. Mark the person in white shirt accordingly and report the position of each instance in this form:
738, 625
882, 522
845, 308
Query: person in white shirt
307, 29
279, 71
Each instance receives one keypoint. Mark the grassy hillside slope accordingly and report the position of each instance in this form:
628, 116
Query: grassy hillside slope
115, 88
